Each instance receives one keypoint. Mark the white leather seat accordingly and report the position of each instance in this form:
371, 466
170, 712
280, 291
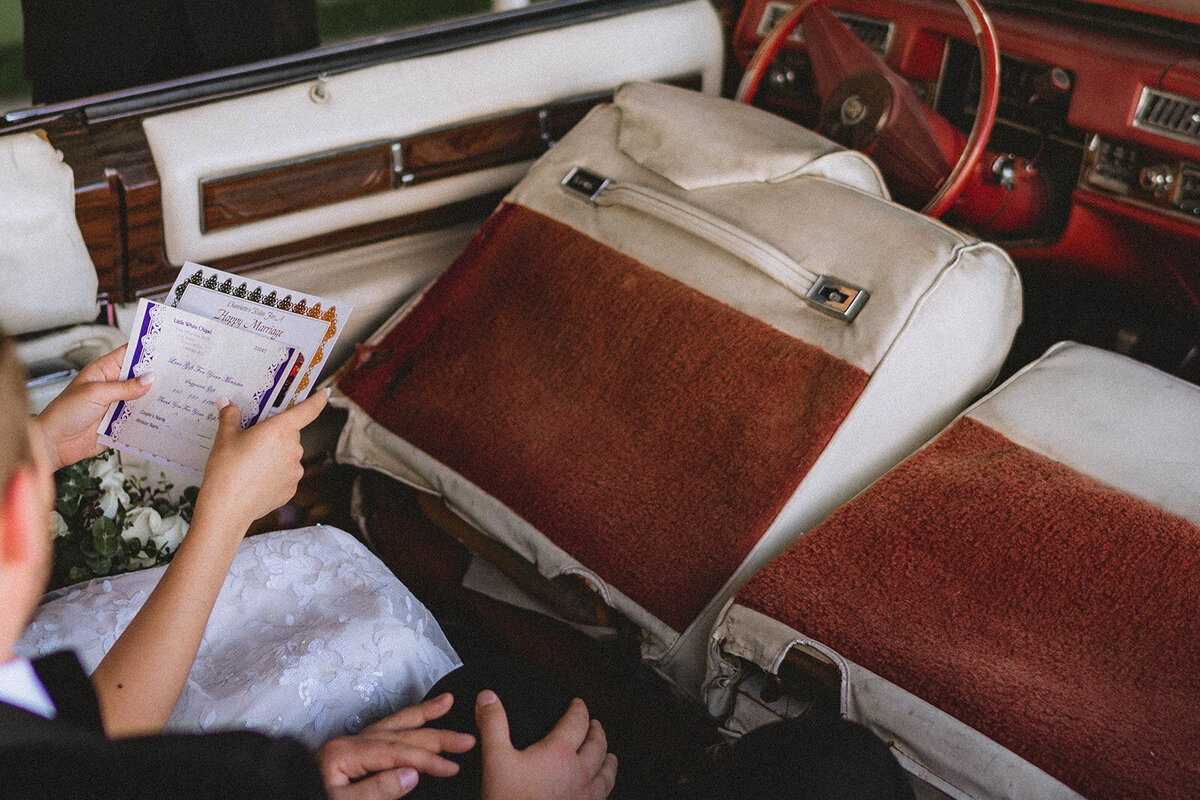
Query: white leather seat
640, 462
41, 246
1013, 607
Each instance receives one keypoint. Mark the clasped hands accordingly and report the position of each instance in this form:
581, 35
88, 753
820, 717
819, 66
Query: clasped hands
571, 763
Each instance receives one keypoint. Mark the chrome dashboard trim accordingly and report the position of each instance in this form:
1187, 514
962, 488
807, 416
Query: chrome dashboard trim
1149, 93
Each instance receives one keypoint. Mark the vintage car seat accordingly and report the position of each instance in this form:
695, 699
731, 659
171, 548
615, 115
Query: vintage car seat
47, 280
690, 333
1015, 607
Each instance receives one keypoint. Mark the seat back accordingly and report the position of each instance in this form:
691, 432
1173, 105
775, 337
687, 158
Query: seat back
47, 279
627, 381
1015, 605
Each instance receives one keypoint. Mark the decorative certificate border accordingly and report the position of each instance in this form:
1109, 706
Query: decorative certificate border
275, 297
180, 410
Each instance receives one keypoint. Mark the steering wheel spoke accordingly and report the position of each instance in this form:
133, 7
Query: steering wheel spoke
834, 51
867, 106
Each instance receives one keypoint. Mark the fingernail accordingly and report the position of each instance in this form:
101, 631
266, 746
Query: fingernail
146, 378
222, 402
408, 778
486, 698
328, 391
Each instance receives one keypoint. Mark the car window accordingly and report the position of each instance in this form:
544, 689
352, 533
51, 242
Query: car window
14, 91
154, 40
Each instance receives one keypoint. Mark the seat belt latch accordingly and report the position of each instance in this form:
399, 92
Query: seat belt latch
588, 184
837, 298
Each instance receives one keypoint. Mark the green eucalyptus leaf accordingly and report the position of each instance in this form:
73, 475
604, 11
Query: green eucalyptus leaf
105, 538
100, 566
68, 507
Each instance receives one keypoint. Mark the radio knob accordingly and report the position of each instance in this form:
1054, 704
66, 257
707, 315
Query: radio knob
1156, 178
1052, 86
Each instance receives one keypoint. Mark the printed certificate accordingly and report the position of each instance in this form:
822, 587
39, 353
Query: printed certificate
195, 361
308, 323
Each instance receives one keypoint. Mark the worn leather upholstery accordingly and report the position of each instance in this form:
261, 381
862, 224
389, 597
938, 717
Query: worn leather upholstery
40, 242
41, 246
1121, 438
942, 311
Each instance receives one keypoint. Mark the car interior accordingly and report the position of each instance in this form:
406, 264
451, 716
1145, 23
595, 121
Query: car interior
726, 359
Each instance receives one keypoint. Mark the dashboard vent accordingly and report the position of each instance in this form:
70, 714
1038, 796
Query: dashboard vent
875, 33
1170, 114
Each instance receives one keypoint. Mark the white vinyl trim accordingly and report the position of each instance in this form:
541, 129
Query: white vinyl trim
403, 98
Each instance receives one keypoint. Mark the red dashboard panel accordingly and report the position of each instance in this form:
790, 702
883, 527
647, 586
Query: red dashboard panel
1128, 225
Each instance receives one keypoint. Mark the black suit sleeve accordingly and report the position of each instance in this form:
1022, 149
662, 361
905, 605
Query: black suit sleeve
70, 689
69, 757
190, 767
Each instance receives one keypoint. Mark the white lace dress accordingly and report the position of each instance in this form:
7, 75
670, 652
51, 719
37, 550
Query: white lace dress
311, 636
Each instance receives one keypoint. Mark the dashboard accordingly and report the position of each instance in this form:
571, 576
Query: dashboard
1102, 99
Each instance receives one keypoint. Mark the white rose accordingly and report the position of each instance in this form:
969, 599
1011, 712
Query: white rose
141, 562
169, 532
109, 500
108, 470
102, 466
140, 524
58, 524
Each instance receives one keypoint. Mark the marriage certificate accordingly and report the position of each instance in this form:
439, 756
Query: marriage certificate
309, 323
195, 360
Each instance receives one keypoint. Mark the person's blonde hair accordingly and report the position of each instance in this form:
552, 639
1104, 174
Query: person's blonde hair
14, 410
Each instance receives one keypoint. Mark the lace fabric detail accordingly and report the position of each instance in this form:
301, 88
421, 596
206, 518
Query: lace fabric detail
311, 637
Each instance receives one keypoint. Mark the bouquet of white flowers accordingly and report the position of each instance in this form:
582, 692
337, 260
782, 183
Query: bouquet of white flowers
106, 521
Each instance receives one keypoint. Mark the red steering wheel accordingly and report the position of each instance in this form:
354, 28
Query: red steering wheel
866, 105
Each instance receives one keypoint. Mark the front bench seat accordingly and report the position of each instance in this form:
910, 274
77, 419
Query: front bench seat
1016, 607
627, 389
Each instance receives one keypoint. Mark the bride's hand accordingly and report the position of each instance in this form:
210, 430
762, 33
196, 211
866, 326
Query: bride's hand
382, 762
254, 471
69, 422
249, 473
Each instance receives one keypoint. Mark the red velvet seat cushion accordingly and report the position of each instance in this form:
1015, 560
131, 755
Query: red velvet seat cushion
648, 430
1057, 616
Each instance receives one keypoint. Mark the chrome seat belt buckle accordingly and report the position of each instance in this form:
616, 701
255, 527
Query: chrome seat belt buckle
837, 298
587, 184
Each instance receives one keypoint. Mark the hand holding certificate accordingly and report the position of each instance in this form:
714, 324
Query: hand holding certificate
242, 349
309, 323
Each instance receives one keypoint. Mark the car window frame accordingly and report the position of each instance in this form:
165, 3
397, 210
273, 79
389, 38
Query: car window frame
327, 60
